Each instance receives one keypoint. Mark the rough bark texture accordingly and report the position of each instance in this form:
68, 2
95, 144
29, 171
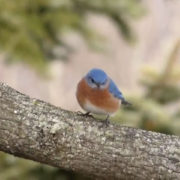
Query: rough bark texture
36, 130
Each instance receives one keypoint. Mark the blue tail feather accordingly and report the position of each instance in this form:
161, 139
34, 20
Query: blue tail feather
126, 103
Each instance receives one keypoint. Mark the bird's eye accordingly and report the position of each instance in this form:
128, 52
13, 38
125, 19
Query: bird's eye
92, 80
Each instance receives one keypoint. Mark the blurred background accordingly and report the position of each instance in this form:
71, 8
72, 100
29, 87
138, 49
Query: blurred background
46, 46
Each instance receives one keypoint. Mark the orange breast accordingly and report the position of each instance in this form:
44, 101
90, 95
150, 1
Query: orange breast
100, 98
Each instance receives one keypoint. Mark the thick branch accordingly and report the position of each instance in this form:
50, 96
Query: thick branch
36, 130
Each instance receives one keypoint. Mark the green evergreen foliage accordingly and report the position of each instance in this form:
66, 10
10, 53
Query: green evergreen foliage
164, 87
162, 91
12, 168
31, 29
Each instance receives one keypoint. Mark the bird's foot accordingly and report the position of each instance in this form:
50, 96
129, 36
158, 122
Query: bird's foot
87, 114
105, 122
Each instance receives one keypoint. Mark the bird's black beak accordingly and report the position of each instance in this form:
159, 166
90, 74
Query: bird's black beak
98, 85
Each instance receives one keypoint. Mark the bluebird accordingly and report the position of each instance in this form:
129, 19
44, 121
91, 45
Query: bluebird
98, 94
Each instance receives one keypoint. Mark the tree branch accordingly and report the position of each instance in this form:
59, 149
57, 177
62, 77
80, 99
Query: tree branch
36, 130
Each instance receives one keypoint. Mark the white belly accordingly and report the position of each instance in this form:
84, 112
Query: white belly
89, 107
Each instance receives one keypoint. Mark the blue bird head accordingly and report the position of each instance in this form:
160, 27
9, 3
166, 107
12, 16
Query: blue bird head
97, 78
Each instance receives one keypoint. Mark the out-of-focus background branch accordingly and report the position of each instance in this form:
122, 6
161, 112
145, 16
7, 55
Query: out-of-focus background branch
47, 46
30, 30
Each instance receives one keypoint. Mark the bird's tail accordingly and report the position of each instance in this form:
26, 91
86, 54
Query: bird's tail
126, 103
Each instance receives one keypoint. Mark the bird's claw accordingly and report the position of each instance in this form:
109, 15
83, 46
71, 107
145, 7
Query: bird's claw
107, 122
87, 114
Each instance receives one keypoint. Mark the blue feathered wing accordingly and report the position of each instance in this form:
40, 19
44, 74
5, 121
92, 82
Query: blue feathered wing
113, 89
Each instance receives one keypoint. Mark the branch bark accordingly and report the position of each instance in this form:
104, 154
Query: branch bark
36, 130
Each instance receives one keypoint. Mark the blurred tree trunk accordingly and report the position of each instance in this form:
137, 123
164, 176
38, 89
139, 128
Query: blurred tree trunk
36, 130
